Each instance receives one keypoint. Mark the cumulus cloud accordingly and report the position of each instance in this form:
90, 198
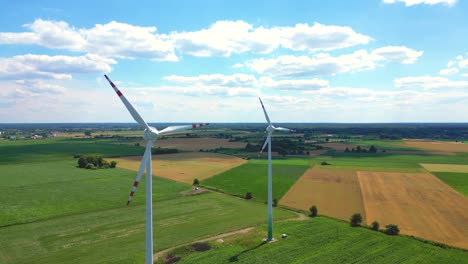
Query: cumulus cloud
114, 39
463, 63
448, 71
38, 87
418, 2
325, 64
224, 38
30, 66
429, 82
249, 81
398, 54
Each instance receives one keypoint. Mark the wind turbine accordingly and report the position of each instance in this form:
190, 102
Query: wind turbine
150, 134
270, 129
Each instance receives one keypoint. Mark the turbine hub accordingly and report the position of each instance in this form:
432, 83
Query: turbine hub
270, 128
150, 133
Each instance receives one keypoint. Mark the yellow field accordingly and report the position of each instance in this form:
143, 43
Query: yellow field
336, 193
445, 167
195, 144
438, 145
420, 204
184, 167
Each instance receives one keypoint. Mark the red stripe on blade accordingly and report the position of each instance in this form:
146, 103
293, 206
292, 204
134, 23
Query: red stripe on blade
128, 202
132, 193
119, 93
200, 125
135, 184
194, 126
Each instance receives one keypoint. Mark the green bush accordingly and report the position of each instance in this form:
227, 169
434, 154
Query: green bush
375, 226
392, 230
313, 211
196, 182
90, 166
275, 202
248, 195
356, 219
113, 164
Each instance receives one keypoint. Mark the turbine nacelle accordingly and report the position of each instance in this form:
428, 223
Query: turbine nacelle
150, 133
270, 128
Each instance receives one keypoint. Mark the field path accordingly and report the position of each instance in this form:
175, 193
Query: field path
300, 217
419, 203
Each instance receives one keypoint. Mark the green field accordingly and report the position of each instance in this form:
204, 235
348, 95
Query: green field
54, 212
27, 151
252, 177
458, 181
321, 240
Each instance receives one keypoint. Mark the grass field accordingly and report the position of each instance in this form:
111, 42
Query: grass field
252, 177
321, 240
458, 181
185, 167
53, 212
117, 235
420, 204
336, 193
27, 151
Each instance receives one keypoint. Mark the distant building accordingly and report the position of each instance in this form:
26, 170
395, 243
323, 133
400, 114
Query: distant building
37, 137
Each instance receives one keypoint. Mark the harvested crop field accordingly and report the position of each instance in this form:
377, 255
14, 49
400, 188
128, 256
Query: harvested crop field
195, 144
185, 167
419, 203
336, 193
438, 145
445, 167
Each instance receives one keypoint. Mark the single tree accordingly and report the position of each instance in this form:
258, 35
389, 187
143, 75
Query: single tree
196, 182
375, 226
346, 150
87, 133
113, 164
248, 195
275, 202
358, 149
313, 211
373, 149
392, 230
356, 219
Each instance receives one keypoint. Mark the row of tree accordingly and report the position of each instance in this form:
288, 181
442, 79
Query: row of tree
358, 149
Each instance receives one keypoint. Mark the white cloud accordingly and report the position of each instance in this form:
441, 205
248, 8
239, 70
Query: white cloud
417, 2
224, 38
399, 54
303, 37
208, 83
325, 64
38, 87
463, 63
237, 65
429, 82
448, 71
114, 39
31, 66
464, 75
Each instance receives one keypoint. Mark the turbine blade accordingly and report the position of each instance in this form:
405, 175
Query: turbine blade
264, 111
171, 129
127, 104
144, 160
266, 142
284, 129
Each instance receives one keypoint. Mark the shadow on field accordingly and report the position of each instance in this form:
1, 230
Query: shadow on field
236, 257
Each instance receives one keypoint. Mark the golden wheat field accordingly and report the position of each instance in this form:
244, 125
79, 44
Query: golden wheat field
419, 203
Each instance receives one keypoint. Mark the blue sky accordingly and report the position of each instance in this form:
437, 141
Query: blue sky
184, 61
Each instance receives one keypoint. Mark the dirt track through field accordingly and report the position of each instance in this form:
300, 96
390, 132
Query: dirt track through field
185, 167
419, 203
336, 193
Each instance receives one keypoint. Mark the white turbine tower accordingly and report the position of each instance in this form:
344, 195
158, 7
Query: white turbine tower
270, 128
150, 134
